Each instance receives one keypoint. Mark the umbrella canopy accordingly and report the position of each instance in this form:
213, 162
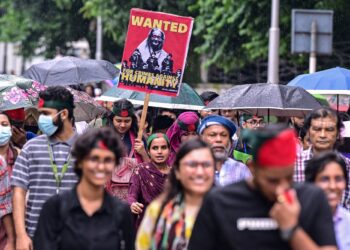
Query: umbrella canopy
187, 99
331, 81
266, 99
18, 92
86, 108
71, 70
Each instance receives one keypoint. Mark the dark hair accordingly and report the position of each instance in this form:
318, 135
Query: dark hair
162, 122
61, 94
174, 186
8, 117
87, 142
125, 104
92, 88
148, 119
322, 113
318, 163
208, 96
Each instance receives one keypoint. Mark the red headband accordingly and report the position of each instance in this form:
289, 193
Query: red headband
278, 152
102, 145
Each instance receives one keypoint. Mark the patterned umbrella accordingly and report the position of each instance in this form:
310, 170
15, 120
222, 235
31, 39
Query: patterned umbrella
18, 92
86, 108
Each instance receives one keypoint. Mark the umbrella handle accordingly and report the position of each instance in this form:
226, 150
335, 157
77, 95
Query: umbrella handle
143, 116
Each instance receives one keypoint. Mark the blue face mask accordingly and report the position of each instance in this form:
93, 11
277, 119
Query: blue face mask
5, 135
46, 125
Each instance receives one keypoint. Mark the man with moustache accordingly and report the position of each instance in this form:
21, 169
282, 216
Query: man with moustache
217, 131
323, 127
44, 167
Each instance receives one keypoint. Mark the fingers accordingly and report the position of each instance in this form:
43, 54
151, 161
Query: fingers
136, 208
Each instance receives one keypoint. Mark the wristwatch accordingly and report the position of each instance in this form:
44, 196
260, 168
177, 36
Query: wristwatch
287, 234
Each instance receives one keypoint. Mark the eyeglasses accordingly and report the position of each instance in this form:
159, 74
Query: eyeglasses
256, 122
195, 164
95, 160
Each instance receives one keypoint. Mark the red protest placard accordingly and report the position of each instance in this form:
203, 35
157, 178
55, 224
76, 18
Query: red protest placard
155, 52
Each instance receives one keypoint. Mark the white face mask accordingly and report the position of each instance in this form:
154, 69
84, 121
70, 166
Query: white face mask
46, 125
5, 134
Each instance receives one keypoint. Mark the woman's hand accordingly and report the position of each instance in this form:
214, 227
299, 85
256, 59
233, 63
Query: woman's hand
136, 208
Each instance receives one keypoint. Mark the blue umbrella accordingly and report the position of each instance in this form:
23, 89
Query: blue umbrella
331, 81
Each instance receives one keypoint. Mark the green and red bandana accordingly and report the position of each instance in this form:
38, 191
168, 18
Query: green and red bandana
123, 112
272, 149
53, 104
155, 136
188, 127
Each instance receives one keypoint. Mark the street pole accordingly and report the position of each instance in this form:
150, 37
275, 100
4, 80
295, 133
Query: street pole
313, 42
274, 41
98, 54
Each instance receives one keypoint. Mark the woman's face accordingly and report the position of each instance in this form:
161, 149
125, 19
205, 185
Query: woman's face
159, 151
4, 121
332, 181
188, 135
196, 171
98, 166
122, 124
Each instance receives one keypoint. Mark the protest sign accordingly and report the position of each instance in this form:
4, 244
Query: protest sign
155, 52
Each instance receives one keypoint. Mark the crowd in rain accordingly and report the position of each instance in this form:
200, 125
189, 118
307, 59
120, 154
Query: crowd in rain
207, 179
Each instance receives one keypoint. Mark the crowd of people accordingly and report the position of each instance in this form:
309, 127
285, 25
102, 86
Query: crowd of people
213, 179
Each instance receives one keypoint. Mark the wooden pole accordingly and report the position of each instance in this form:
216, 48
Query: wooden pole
143, 116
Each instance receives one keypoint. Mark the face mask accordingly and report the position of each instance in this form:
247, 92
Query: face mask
33, 129
46, 125
5, 134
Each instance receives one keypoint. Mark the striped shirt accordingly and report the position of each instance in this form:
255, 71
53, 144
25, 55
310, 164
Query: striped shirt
33, 172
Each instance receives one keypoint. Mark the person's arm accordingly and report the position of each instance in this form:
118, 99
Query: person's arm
286, 213
140, 149
48, 228
301, 240
22, 239
10, 231
133, 193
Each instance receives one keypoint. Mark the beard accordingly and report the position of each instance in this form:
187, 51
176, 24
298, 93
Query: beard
59, 123
221, 155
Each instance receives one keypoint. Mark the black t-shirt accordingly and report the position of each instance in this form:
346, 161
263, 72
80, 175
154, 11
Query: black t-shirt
63, 224
237, 217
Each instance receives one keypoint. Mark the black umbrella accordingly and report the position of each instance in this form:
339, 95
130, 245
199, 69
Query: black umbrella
71, 70
266, 99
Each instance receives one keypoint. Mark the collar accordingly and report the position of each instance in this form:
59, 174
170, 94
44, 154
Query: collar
69, 142
74, 203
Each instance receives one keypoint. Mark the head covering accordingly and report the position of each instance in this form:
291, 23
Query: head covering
187, 121
272, 147
157, 135
16, 114
216, 120
123, 108
54, 104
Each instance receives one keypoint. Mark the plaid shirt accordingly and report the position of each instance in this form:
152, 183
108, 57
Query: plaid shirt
299, 172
